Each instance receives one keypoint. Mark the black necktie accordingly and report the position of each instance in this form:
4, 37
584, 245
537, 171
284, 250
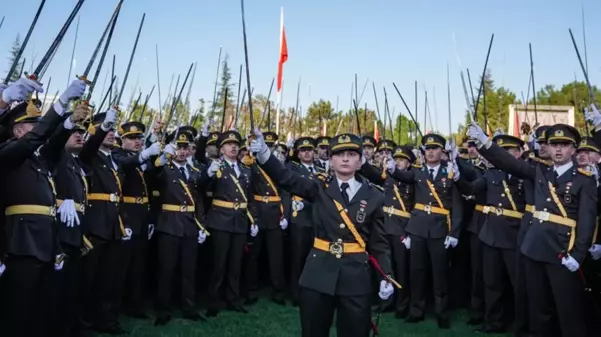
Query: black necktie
432, 174
311, 169
183, 172
555, 178
343, 188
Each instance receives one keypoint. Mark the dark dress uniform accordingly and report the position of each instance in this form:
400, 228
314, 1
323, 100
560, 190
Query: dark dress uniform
30, 223
337, 275
301, 221
398, 204
474, 219
269, 212
178, 227
437, 214
503, 210
134, 210
554, 234
323, 142
228, 219
104, 227
70, 182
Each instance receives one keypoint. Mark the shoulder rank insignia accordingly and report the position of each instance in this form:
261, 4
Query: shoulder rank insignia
585, 172
194, 168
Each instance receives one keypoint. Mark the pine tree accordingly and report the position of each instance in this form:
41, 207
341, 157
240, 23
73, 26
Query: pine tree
226, 78
14, 51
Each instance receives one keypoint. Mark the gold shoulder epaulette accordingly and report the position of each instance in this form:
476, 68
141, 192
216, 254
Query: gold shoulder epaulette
376, 186
194, 169
321, 176
585, 172
417, 166
248, 160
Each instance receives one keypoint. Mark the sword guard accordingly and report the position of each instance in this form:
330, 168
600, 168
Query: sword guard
85, 79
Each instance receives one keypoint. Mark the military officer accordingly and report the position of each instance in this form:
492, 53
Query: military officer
433, 228
322, 145
230, 221
350, 226
30, 207
180, 227
504, 208
132, 158
271, 222
556, 244
369, 145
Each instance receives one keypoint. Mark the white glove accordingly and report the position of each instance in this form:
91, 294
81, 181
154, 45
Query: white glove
128, 233
169, 149
259, 147
297, 205
570, 263
390, 165
75, 90
475, 132
109, 120
153, 150
283, 224
68, 213
452, 167
450, 242
254, 230
150, 231
407, 242
595, 251
206, 128
279, 156
592, 115
20, 90
214, 167
202, 236
2, 268
386, 290
59, 262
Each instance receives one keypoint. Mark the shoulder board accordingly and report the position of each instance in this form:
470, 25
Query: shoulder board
194, 169
321, 176
244, 166
585, 172
376, 186
417, 166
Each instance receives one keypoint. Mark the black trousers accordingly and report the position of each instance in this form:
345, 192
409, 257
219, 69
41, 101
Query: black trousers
400, 265
498, 268
101, 274
63, 319
521, 321
25, 297
273, 241
301, 242
553, 288
135, 285
477, 287
353, 314
174, 251
228, 249
459, 273
425, 253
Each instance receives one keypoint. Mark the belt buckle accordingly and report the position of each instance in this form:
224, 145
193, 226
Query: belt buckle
265, 199
428, 209
499, 211
183, 209
544, 216
113, 198
236, 206
336, 248
139, 200
390, 210
52, 211
81, 208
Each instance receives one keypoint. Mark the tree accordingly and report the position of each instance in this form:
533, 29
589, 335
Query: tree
14, 51
493, 106
226, 77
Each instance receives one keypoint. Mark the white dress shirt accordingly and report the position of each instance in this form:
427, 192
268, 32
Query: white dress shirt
235, 166
185, 169
354, 186
309, 168
435, 172
561, 169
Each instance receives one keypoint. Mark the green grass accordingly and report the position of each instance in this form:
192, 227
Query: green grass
267, 319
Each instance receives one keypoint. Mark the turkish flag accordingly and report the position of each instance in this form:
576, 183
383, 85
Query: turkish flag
283, 52
376, 132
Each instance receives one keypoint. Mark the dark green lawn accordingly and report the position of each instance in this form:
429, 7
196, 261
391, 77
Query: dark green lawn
270, 320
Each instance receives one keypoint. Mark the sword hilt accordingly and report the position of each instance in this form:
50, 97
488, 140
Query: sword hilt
85, 79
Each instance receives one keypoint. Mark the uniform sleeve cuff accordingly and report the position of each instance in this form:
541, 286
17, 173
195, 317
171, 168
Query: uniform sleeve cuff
68, 124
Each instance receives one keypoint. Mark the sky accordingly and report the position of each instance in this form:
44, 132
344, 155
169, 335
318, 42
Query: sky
382, 41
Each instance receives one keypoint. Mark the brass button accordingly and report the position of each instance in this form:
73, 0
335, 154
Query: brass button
544, 209
503, 194
500, 205
339, 240
342, 226
548, 199
338, 256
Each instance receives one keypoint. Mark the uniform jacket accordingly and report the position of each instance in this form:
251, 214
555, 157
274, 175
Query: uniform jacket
134, 215
269, 213
576, 190
27, 180
229, 188
433, 225
102, 217
350, 274
170, 183
70, 182
304, 217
